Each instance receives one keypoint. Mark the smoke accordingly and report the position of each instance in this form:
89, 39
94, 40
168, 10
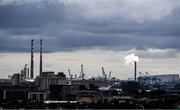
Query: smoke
130, 59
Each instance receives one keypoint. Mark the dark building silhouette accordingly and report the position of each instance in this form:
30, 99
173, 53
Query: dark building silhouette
135, 70
49, 78
32, 60
65, 92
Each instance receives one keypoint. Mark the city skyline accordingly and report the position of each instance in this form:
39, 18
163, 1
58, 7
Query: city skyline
96, 33
110, 60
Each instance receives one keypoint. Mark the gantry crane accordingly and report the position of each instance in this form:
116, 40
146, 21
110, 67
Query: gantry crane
104, 75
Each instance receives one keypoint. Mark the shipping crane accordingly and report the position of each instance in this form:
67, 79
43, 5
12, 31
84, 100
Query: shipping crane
104, 74
147, 78
109, 77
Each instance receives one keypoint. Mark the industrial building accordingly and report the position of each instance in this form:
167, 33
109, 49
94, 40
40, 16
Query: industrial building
65, 92
167, 77
49, 78
22, 93
16, 79
90, 84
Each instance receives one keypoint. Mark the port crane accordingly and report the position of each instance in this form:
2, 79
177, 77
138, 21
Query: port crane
104, 75
109, 76
146, 78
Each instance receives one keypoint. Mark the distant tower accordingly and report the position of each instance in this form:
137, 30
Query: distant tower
40, 66
27, 76
82, 72
135, 70
32, 60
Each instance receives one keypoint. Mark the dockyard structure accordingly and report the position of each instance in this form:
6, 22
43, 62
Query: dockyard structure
90, 83
164, 78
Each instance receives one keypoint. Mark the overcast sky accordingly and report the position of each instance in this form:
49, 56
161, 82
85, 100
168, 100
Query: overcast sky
89, 31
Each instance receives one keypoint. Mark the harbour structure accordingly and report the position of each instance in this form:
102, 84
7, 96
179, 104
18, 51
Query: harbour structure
149, 79
167, 77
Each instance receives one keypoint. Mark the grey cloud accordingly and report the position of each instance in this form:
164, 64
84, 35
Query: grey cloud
30, 15
157, 53
76, 24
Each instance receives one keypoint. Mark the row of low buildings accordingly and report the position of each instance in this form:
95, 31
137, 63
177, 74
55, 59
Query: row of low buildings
57, 87
46, 86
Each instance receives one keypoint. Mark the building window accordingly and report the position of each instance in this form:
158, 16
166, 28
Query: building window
34, 96
41, 97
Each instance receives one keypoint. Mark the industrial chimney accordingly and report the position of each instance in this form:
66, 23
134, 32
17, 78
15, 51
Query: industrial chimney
135, 70
82, 72
27, 75
40, 66
32, 61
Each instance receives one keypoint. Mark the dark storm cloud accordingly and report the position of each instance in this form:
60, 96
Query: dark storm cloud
166, 27
76, 25
30, 15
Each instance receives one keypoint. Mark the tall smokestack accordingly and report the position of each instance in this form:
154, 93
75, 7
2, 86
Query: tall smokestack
132, 59
135, 70
27, 76
32, 60
82, 72
40, 66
